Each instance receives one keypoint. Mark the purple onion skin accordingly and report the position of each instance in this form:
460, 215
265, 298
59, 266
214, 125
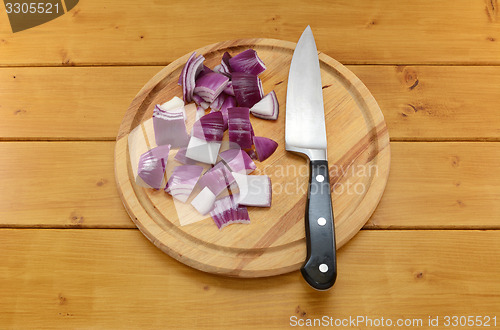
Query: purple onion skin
210, 127
248, 62
264, 147
247, 89
240, 128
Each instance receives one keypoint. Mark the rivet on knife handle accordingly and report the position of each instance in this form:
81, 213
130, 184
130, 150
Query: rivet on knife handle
320, 267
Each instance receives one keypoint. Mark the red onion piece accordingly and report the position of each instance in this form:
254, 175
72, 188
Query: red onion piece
210, 86
204, 201
210, 127
229, 88
267, 108
224, 64
216, 179
247, 89
264, 147
202, 151
229, 102
183, 180
170, 127
200, 102
152, 165
192, 68
238, 161
240, 128
248, 62
254, 190
217, 103
225, 212
205, 69
180, 156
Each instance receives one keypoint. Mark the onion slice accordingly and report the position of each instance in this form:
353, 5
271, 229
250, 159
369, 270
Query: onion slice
247, 89
226, 211
225, 68
170, 127
229, 102
180, 156
267, 108
202, 151
182, 181
216, 179
254, 190
152, 165
238, 161
240, 128
191, 70
264, 147
210, 86
204, 201
248, 62
210, 127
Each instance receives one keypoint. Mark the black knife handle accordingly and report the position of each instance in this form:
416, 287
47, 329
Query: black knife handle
320, 267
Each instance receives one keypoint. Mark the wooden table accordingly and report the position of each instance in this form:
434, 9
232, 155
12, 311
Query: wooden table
71, 256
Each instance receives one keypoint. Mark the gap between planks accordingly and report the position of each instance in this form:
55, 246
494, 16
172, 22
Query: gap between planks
138, 64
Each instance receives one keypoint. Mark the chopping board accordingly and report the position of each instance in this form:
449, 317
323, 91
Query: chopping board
274, 241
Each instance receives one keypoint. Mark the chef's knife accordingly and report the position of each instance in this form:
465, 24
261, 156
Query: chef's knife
305, 133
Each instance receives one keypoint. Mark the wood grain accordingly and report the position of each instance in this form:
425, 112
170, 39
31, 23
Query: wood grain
418, 102
389, 31
274, 241
62, 279
62, 184
426, 183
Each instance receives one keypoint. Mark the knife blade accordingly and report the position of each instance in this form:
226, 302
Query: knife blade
305, 133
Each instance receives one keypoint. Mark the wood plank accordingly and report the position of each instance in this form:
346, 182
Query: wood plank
64, 184
92, 278
389, 31
76, 103
431, 185
418, 102
435, 102
441, 185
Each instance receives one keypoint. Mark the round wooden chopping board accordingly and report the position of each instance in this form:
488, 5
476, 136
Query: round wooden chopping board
273, 243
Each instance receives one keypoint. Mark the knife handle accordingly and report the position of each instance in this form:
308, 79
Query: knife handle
320, 267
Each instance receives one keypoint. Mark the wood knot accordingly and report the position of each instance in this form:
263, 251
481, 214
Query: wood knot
62, 299
455, 161
76, 219
300, 311
419, 275
101, 182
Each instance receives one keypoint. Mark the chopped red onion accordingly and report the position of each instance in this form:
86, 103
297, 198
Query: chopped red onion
204, 71
267, 108
183, 180
254, 190
229, 102
225, 212
252, 154
202, 151
238, 161
217, 103
210, 86
200, 112
170, 127
210, 127
264, 147
248, 62
229, 88
192, 68
216, 179
204, 201
200, 102
247, 89
180, 156
240, 128
225, 68
152, 165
